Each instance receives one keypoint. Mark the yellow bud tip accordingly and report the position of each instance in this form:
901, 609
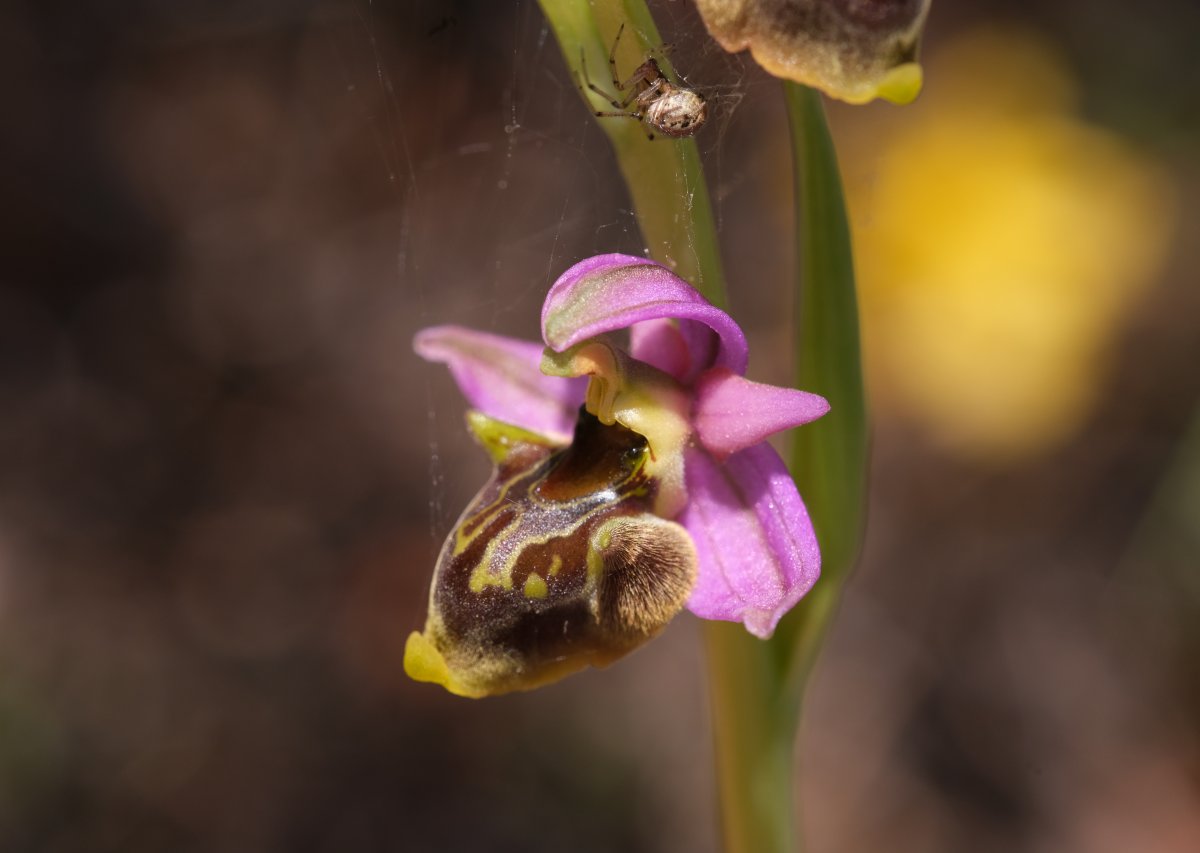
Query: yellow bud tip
902, 84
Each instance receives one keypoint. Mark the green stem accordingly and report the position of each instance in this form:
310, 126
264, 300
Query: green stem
754, 742
754, 685
664, 177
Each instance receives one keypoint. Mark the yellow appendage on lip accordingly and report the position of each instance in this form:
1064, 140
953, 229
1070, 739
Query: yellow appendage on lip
423, 662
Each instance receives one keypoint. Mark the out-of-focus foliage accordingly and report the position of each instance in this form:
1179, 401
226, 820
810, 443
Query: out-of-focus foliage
1002, 243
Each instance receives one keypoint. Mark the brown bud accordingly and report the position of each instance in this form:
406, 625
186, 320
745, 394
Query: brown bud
855, 50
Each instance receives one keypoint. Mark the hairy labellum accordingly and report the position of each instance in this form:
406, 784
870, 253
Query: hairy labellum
558, 563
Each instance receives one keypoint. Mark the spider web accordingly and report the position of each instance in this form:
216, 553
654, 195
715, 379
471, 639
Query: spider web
502, 177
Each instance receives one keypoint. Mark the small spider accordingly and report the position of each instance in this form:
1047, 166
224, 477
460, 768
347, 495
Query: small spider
657, 102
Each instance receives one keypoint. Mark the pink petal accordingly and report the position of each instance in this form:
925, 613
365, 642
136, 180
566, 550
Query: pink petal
660, 344
499, 376
757, 551
611, 292
733, 413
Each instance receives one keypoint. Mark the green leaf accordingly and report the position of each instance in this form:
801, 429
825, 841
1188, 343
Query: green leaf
829, 457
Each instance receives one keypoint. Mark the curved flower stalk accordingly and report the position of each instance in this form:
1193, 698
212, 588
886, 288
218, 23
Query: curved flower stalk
854, 50
666, 495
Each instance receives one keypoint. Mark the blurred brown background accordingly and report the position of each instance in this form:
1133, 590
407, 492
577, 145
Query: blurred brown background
224, 476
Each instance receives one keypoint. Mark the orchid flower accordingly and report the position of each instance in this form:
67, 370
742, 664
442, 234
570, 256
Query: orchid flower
631, 480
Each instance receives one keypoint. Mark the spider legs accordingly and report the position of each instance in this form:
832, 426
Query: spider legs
645, 128
620, 105
646, 73
612, 59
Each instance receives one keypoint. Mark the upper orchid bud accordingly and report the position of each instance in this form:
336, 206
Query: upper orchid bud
853, 50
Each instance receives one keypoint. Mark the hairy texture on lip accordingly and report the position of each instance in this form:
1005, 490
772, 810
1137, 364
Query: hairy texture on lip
649, 570
855, 50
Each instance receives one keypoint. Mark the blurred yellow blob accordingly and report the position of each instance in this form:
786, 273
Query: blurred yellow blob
1000, 242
